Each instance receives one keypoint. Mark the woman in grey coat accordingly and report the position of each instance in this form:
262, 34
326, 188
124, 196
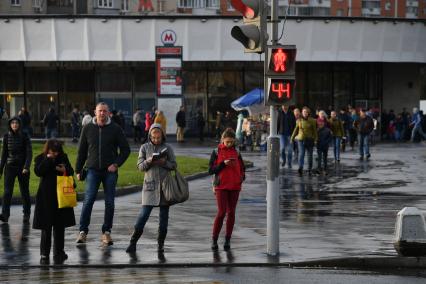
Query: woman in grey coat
156, 159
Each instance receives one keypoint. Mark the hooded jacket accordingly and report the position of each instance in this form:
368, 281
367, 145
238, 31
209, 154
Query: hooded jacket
154, 174
16, 150
99, 145
227, 177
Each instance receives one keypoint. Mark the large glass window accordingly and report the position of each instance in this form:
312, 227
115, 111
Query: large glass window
342, 84
145, 87
11, 92
195, 86
42, 93
319, 85
79, 90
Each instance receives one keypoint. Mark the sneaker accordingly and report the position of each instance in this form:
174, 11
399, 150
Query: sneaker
26, 219
3, 218
361, 158
300, 171
289, 166
82, 238
60, 258
368, 156
283, 164
106, 239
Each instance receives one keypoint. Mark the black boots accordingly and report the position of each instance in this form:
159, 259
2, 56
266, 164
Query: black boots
133, 240
161, 238
215, 247
227, 244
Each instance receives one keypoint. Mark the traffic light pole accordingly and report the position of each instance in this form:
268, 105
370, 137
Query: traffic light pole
273, 166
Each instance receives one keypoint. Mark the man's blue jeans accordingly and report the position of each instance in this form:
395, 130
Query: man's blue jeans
302, 149
285, 144
336, 147
363, 144
144, 216
93, 180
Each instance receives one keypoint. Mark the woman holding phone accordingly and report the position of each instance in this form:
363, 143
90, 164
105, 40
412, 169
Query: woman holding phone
229, 173
48, 165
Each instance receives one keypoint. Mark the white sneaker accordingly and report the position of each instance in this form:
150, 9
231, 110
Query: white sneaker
82, 238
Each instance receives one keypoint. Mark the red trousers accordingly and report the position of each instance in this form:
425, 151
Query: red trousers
226, 204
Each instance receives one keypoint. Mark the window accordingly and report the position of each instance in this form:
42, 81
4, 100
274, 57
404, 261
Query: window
56, 3
105, 3
15, 2
125, 5
37, 3
339, 12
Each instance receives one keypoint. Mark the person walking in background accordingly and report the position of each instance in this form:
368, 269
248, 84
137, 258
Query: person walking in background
160, 118
322, 116
353, 132
324, 139
155, 172
297, 115
25, 118
15, 162
148, 123
181, 124
51, 122
228, 168
305, 133
137, 125
336, 127
346, 120
364, 126
200, 125
98, 148
286, 124
416, 123
87, 118
239, 130
115, 118
48, 165
399, 128
75, 125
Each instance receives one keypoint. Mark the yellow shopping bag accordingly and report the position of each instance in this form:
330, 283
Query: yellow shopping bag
67, 197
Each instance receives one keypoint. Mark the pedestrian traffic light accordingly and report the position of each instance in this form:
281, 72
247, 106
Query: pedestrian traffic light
280, 74
253, 33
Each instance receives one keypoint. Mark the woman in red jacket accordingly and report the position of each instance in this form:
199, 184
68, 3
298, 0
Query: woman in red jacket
229, 173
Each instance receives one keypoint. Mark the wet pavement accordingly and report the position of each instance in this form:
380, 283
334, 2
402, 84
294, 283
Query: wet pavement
350, 212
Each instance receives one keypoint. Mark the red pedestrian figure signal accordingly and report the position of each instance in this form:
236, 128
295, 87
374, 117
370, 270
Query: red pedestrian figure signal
281, 89
280, 59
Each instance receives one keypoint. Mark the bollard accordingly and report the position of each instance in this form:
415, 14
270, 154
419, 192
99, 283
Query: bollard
410, 232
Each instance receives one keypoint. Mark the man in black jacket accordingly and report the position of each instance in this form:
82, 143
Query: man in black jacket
181, 124
99, 143
15, 161
286, 125
364, 126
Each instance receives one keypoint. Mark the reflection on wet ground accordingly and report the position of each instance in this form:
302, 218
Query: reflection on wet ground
349, 212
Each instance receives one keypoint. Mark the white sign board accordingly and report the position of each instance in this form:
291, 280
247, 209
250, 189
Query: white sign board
170, 107
423, 106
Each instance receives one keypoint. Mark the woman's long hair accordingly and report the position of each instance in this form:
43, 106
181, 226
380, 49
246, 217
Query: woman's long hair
53, 145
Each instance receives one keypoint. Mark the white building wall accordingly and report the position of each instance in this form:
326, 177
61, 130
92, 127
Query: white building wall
401, 86
209, 39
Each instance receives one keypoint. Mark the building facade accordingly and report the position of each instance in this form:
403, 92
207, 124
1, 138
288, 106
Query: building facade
65, 62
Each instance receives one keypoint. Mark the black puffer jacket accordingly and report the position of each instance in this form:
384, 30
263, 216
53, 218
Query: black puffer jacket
17, 150
98, 146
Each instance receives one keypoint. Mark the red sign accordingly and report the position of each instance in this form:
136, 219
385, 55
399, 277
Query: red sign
280, 91
280, 59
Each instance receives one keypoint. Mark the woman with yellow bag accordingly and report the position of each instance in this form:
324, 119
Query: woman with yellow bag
51, 166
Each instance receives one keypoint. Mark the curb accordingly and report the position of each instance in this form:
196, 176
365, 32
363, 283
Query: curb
121, 191
365, 262
362, 263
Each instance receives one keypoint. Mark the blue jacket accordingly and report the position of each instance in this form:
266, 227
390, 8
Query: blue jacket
417, 119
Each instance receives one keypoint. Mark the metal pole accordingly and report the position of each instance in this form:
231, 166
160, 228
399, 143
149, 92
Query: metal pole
273, 166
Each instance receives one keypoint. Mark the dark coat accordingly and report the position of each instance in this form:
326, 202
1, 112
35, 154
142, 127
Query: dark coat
181, 119
286, 122
46, 211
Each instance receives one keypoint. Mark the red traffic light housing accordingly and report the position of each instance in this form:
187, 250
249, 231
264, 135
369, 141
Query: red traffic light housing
253, 33
280, 74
